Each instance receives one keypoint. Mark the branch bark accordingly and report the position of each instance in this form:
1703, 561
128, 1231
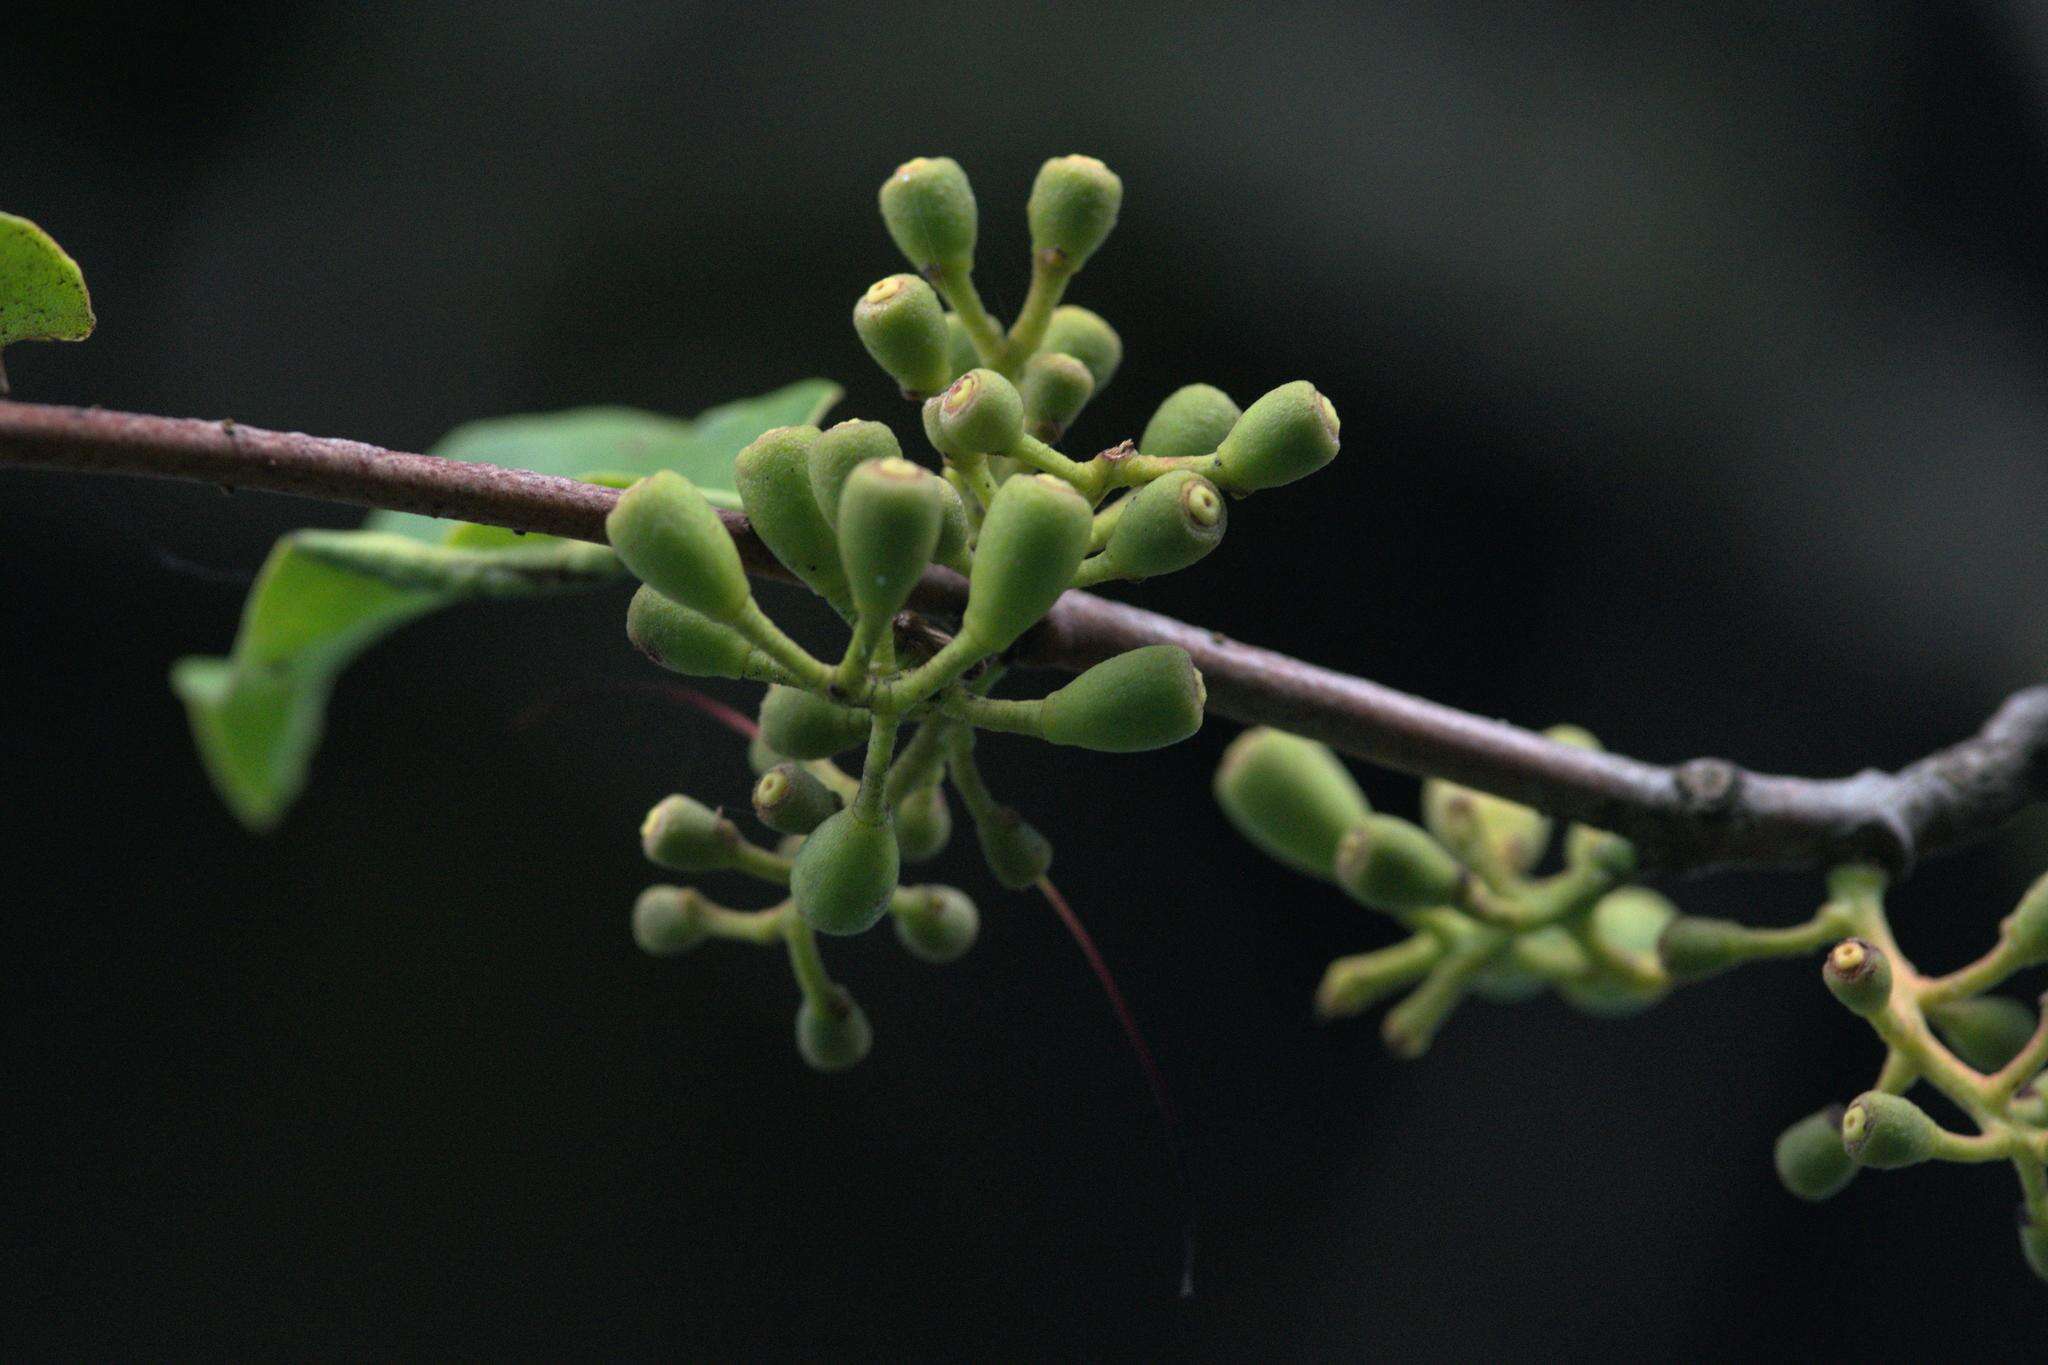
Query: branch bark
1703, 814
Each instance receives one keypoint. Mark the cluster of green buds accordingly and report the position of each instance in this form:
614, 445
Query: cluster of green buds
1463, 885
1478, 921
850, 515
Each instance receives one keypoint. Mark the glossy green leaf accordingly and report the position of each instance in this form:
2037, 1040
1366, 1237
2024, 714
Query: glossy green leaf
42, 292
323, 597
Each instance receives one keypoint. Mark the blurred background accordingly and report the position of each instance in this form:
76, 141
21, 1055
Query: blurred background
1692, 365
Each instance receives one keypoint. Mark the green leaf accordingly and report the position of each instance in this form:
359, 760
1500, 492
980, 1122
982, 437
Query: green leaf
323, 597
42, 292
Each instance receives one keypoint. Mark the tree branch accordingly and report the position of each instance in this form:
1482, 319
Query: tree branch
1706, 813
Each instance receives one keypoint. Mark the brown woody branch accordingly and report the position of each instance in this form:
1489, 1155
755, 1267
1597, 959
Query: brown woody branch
1706, 813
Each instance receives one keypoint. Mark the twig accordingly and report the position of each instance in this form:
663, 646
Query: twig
1706, 813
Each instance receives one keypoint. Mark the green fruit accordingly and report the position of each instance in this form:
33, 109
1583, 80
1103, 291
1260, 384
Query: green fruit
2034, 1244
928, 207
1286, 435
1032, 540
790, 800
1290, 797
1811, 1160
924, 824
834, 1036
1986, 1032
673, 541
979, 413
668, 920
1146, 698
688, 836
1860, 975
686, 641
940, 926
803, 725
774, 478
903, 326
1389, 864
1694, 947
1192, 421
1167, 525
1083, 335
1073, 206
1016, 853
890, 515
844, 874
1055, 388
1888, 1131
1483, 830
841, 448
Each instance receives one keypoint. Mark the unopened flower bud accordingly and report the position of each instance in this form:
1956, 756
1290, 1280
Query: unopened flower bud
924, 824
940, 926
1055, 388
1289, 796
1032, 540
1627, 924
1860, 975
1482, 830
686, 641
1074, 204
1016, 853
834, 1036
1811, 1160
791, 800
890, 514
844, 873
1082, 334
961, 353
668, 920
1167, 525
1987, 1031
928, 207
1694, 947
684, 834
773, 475
1145, 698
903, 326
1888, 1131
1389, 864
1192, 421
803, 725
1286, 435
674, 542
979, 413
838, 450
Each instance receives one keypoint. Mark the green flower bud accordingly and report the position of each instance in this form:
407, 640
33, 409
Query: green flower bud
1192, 421
1073, 205
2027, 925
903, 326
835, 1036
1075, 331
980, 413
1505, 983
940, 926
1810, 1157
1169, 524
961, 352
674, 542
1290, 797
668, 920
1860, 975
688, 836
791, 800
774, 478
1146, 698
686, 641
838, 450
1888, 1131
1483, 830
954, 530
928, 207
1389, 864
1694, 947
1016, 853
924, 824
1628, 924
1987, 1032
890, 513
1032, 540
761, 756
803, 725
844, 874
1610, 853
2034, 1243
1055, 388
1288, 434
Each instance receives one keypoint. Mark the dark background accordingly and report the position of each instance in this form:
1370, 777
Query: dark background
1692, 367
